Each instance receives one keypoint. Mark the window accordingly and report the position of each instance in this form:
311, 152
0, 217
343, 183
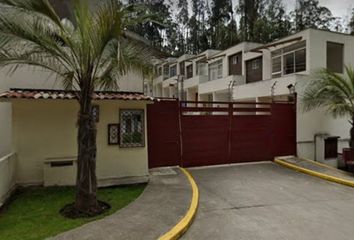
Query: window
289, 63
160, 71
173, 71
255, 64
182, 66
201, 69
189, 71
291, 59
235, 60
335, 54
254, 71
276, 66
132, 128
300, 60
166, 71
235, 64
215, 70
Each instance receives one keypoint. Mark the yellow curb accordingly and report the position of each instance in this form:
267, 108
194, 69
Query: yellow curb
315, 174
323, 165
177, 231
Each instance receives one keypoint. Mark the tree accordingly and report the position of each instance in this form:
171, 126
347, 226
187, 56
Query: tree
91, 55
335, 93
222, 25
351, 24
249, 11
309, 14
153, 31
182, 25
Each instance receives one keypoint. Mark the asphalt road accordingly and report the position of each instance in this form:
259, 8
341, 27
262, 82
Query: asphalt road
267, 201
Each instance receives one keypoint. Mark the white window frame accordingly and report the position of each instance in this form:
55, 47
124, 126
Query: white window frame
281, 55
255, 64
235, 59
215, 70
173, 71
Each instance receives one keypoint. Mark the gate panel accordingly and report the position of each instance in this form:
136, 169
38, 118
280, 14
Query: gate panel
251, 138
284, 129
219, 132
163, 134
205, 140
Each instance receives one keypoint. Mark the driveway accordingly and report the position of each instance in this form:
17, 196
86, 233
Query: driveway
267, 201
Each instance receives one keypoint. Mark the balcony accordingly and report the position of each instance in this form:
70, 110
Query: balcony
160, 79
221, 84
264, 88
194, 81
167, 82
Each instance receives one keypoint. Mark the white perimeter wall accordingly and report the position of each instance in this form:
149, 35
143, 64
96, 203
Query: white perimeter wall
7, 176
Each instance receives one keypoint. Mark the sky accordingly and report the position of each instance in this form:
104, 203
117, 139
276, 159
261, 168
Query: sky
339, 8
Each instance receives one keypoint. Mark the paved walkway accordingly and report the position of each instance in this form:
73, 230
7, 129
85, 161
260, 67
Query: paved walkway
319, 167
270, 202
164, 202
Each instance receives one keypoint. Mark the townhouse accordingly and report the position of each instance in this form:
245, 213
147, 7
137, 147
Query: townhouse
275, 71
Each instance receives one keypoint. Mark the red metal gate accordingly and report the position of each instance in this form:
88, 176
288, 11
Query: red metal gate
163, 134
209, 133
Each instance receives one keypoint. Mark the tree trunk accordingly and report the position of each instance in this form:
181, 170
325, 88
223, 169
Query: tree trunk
351, 142
86, 182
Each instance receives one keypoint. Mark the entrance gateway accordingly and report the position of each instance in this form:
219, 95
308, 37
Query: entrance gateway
189, 134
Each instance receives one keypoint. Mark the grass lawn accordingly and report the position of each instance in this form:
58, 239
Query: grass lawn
33, 213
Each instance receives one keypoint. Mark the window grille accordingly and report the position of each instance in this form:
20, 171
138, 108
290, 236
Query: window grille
113, 134
96, 113
132, 128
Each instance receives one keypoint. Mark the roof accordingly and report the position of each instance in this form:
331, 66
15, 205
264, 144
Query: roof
276, 43
69, 95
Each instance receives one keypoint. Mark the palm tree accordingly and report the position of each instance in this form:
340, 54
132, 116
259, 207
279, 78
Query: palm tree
86, 56
333, 92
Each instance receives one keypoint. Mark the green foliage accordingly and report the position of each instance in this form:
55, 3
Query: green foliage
223, 29
93, 53
351, 23
34, 213
263, 21
331, 91
309, 14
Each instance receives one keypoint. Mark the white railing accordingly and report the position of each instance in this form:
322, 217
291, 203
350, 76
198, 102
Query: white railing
7, 176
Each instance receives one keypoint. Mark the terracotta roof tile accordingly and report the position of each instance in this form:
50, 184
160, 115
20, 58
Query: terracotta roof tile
67, 95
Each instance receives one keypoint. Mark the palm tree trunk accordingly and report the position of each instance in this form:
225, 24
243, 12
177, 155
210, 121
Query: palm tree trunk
86, 182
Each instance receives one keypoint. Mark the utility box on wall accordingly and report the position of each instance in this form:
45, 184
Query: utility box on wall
60, 171
326, 149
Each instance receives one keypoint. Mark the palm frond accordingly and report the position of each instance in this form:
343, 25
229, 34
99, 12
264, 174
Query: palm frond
331, 91
40, 7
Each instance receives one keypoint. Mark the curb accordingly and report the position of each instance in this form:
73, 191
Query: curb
315, 174
177, 231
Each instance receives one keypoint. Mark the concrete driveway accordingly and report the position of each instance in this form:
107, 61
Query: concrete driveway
267, 201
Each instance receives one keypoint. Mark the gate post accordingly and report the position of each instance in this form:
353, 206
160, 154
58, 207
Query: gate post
230, 113
180, 131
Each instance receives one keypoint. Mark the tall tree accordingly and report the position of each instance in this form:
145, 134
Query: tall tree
309, 14
272, 22
351, 23
249, 11
182, 25
196, 25
91, 55
222, 24
152, 30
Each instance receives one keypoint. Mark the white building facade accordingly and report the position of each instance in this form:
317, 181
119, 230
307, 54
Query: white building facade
255, 72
